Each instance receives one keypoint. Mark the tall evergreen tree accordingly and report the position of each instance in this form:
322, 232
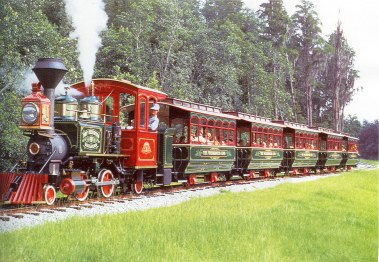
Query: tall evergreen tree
276, 23
342, 76
307, 40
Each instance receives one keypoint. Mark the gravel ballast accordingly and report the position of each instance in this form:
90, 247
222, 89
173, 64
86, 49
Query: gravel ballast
144, 202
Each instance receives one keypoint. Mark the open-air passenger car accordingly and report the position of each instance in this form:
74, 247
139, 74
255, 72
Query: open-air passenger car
204, 140
300, 145
350, 152
259, 146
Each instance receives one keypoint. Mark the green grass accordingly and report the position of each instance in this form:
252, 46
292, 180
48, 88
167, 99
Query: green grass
374, 163
332, 219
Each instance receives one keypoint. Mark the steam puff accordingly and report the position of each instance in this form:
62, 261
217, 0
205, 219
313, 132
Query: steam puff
89, 19
29, 77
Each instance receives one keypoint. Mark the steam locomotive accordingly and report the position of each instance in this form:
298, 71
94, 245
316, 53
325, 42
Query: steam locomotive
99, 142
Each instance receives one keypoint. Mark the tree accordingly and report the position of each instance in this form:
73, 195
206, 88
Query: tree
12, 142
352, 126
343, 75
275, 28
368, 140
276, 22
307, 40
216, 12
22, 41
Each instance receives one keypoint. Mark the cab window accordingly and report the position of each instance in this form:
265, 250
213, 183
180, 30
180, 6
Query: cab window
127, 109
142, 110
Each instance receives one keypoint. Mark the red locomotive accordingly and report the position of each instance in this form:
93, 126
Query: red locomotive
100, 142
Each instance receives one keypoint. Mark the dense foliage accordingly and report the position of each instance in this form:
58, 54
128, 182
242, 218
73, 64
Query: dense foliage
215, 51
369, 141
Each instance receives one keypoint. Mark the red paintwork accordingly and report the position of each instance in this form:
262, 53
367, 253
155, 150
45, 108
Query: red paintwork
139, 144
105, 177
191, 180
67, 186
214, 177
50, 195
30, 188
43, 104
251, 174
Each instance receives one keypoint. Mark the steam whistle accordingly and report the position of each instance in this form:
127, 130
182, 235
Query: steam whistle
92, 89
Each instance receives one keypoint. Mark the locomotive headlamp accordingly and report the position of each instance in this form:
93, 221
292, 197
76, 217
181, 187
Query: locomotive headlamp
30, 113
34, 148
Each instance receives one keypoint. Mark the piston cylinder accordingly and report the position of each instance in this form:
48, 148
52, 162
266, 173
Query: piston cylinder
69, 186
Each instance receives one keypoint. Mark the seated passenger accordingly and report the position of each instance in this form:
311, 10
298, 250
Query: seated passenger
182, 140
200, 139
209, 139
221, 141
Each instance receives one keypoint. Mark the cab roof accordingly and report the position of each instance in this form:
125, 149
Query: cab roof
107, 86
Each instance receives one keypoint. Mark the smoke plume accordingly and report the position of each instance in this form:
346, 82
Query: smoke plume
25, 87
89, 19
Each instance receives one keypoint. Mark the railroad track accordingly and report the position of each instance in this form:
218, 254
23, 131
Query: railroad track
65, 205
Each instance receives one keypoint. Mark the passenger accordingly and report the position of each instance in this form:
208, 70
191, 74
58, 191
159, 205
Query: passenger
209, 139
193, 137
241, 143
201, 139
270, 144
182, 140
153, 119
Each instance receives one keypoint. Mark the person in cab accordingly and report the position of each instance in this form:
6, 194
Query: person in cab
153, 119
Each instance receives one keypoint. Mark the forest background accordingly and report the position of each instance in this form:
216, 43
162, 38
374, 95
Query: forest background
217, 52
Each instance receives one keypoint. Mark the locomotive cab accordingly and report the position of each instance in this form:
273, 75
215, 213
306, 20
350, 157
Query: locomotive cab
127, 106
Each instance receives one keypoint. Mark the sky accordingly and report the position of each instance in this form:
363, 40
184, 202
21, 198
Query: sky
360, 23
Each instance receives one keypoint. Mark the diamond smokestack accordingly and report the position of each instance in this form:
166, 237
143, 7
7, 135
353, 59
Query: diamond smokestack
50, 71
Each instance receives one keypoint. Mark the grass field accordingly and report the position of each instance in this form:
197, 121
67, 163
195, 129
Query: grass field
374, 163
332, 219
